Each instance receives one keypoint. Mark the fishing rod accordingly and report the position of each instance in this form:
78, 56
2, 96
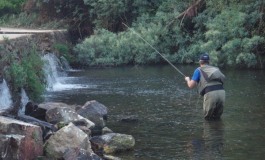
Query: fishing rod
154, 49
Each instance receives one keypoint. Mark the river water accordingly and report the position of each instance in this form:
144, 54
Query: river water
170, 123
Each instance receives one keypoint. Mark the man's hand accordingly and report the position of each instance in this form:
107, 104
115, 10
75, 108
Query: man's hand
187, 79
190, 83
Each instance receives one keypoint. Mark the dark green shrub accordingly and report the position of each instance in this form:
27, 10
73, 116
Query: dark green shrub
106, 48
35, 82
17, 72
228, 36
25, 71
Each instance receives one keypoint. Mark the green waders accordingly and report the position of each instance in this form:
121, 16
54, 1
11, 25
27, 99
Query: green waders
213, 104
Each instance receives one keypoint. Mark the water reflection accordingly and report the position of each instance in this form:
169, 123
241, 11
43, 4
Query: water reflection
210, 145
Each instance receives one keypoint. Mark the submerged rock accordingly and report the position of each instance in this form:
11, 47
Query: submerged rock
110, 157
130, 119
111, 143
19, 140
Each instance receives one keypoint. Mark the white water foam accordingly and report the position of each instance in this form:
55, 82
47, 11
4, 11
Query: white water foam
5, 96
24, 101
56, 76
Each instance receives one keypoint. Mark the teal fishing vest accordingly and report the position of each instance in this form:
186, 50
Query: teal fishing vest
211, 79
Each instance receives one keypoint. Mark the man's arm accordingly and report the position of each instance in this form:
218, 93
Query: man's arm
190, 83
195, 79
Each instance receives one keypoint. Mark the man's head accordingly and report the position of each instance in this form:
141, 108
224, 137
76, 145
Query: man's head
204, 59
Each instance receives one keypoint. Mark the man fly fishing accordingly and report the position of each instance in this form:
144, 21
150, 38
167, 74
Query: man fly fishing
209, 80
210, 84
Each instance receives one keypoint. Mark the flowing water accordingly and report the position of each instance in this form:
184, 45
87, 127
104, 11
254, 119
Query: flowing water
24, 101
5, 96
170, 122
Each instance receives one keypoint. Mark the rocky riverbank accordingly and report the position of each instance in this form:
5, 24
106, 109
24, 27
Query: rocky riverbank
55, 130
61, 131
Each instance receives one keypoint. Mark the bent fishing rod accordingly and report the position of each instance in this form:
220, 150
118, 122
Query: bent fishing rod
155, 49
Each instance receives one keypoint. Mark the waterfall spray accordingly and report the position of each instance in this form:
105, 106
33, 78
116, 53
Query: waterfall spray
5, 96
56, 75
53, 71
24, 101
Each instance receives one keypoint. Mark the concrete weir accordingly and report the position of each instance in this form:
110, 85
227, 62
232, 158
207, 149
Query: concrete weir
13, 33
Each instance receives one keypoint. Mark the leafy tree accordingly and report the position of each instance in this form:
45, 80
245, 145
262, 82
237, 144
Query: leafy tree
229, 40
108, 13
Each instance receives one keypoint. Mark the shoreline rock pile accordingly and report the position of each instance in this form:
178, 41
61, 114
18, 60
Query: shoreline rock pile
60, 131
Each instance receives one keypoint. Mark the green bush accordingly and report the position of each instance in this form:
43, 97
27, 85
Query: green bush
35, 82
107, 48
17, 73
25, 71
228, 36
137, 45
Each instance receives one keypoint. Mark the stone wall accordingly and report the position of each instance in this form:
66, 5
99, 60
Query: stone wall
43, 42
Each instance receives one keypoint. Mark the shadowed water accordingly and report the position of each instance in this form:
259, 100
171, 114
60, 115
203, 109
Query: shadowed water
170, 122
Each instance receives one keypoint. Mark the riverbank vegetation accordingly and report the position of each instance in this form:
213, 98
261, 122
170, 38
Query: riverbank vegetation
23, 70
231, 31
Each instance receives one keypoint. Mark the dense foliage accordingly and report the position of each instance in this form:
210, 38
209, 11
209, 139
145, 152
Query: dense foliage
233, 37
23, 70
232, 32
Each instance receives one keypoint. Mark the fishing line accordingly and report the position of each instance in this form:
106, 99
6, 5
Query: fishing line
155, 49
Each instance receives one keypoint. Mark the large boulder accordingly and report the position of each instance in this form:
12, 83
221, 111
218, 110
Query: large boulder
39, 111
66, 115
111, 143
96, 112
19, 140
69, 141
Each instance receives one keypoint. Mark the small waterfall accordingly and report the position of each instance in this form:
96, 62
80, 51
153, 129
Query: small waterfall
56, 76
24, 101
53, 71
5, 96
